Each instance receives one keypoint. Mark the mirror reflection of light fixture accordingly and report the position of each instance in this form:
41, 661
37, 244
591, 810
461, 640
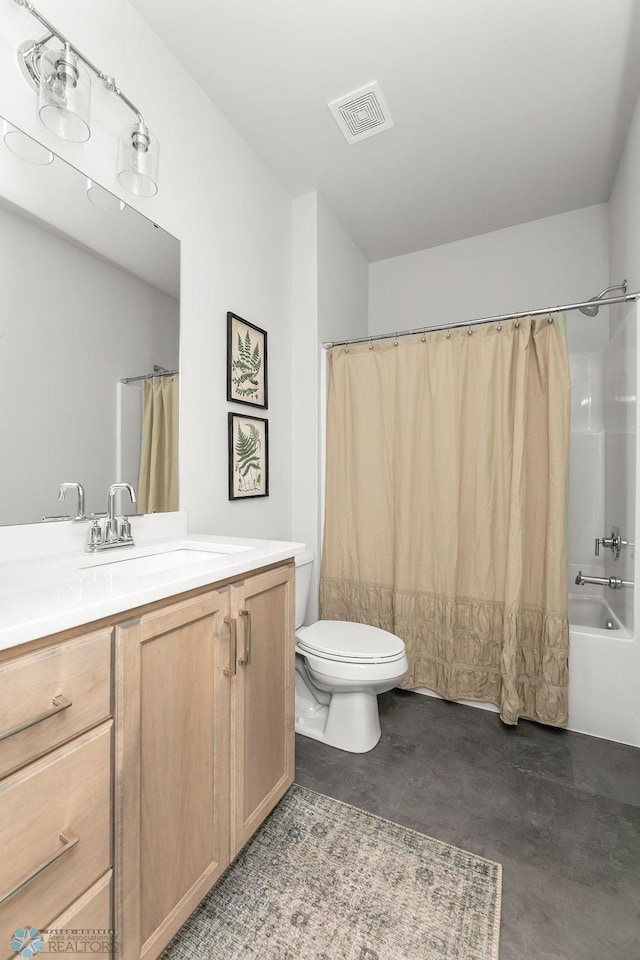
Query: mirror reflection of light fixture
25, 147
61, 75
100, 197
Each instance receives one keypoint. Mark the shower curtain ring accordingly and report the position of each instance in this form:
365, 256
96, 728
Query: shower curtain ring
517, 324
396, 340
346, 347
499, 327
424, 335
448, 334
370, 343
469, 331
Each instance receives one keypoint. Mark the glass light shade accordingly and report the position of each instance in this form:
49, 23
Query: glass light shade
65, 95
138, 157
102, 198
25, 147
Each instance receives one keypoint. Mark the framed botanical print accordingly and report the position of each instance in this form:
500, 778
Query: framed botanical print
246, 362
248, 457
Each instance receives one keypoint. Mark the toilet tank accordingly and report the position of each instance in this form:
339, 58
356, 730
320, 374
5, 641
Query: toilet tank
304, 569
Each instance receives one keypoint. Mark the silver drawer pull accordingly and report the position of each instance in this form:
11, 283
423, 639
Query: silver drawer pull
246, 660
59, 703
69, 839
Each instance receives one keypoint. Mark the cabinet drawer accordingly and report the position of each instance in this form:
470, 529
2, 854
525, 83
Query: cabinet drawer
35, 691
67, 792
85, 928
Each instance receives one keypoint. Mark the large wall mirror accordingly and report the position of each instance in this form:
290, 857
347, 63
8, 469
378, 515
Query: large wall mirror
90, 306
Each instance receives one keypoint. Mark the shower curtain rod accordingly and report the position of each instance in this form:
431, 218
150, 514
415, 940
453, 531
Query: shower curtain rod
151, 376
472, 323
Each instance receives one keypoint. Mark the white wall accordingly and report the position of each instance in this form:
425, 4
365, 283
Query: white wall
329, 296
624, 210
343, 280
66, 342
534, 265
233, 220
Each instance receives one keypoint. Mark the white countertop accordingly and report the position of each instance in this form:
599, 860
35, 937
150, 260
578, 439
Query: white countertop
42, 595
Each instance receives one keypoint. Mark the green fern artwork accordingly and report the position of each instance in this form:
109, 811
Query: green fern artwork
246, 367
248, 459
246, 362
248, 447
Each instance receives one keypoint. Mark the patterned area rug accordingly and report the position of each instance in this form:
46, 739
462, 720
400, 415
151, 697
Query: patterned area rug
322, 880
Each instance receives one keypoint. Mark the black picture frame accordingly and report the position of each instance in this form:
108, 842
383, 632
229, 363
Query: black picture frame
246, 363
248, 439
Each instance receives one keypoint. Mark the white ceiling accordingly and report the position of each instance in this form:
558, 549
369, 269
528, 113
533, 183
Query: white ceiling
505, 111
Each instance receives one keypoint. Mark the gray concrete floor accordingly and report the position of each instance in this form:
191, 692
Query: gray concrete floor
560, 811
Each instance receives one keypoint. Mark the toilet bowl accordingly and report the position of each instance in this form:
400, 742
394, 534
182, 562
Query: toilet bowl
341, 667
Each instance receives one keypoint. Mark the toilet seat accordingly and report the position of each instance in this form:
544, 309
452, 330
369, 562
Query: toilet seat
348, 642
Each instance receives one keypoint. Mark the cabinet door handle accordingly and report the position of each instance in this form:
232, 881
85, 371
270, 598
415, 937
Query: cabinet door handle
69, 840
233, 645
59, 703
246, 660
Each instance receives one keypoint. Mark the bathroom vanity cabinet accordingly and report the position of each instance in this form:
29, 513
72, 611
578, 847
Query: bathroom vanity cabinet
178, 742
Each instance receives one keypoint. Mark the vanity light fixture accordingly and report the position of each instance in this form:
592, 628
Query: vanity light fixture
60, 74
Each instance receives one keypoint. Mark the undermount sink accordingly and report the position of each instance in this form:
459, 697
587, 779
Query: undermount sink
165, 560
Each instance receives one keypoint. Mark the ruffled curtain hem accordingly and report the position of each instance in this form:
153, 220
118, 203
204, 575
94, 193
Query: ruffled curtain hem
467, 649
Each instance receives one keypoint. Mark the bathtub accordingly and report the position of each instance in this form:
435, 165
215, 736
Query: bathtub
592, 613
603, 689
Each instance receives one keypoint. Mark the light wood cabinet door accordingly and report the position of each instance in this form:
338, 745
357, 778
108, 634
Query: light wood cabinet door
262, 699
172, 795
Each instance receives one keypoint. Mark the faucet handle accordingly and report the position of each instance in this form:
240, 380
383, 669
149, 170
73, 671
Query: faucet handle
124, 528
110, 530
613, 543
95, 534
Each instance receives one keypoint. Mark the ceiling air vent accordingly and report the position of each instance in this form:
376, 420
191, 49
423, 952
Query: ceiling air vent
362, 114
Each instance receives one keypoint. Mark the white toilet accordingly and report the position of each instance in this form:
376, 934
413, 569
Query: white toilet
341, 667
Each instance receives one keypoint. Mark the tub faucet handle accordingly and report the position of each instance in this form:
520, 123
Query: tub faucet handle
613, 543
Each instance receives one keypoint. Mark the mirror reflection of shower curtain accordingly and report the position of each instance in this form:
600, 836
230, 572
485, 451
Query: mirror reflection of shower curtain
158, 481
445, 517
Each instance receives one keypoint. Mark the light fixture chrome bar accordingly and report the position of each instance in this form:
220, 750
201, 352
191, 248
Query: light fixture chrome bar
151, 376
108, 81
563, 308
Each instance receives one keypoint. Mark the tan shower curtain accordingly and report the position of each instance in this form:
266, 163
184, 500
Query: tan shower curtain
447, 462
158, 482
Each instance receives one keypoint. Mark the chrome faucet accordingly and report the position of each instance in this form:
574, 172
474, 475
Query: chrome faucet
117, 530
79, 489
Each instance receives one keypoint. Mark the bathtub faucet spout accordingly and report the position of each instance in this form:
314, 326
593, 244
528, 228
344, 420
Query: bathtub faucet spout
614, 583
